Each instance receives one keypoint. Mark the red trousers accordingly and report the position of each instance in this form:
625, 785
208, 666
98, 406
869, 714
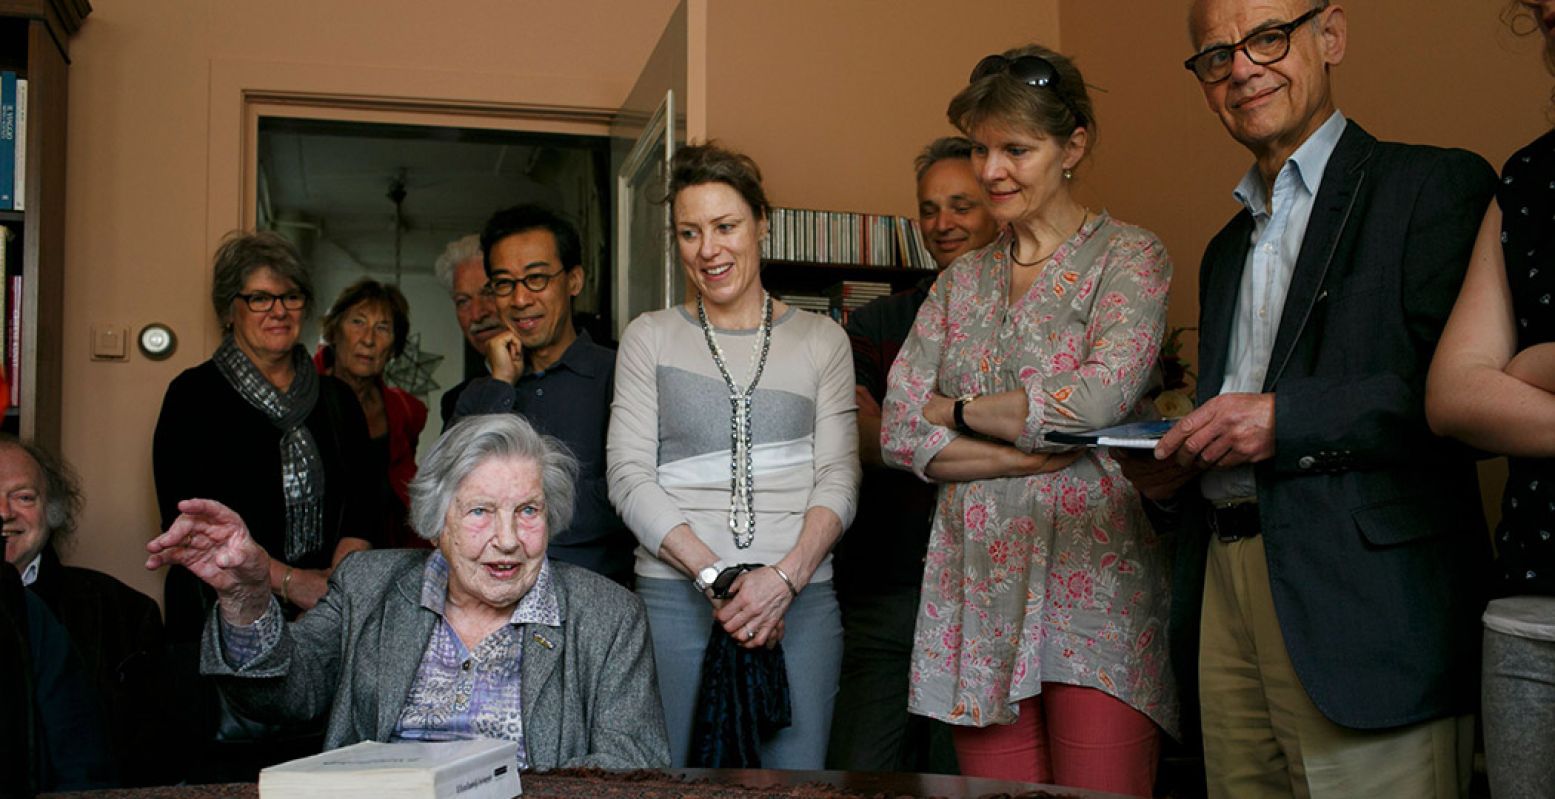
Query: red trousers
1068, 735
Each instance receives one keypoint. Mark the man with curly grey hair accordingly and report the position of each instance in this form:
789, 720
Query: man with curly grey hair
116, 630
462, 270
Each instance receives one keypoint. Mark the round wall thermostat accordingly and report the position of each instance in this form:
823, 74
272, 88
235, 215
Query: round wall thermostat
157, 341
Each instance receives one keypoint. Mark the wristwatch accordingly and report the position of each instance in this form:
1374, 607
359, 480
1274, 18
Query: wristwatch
959, 414
704, 578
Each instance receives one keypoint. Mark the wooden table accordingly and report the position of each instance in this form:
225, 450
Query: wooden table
700, 783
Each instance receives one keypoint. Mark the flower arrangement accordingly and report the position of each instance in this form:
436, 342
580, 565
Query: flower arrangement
1175, 397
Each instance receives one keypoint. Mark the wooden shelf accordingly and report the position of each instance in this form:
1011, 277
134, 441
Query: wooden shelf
812, 277
34, 37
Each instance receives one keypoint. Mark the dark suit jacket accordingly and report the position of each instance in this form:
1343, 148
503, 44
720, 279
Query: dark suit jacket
118, 633
1372, 525
590, 694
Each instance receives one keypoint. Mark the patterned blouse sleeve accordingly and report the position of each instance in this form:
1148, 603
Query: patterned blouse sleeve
907, 440
1095, 381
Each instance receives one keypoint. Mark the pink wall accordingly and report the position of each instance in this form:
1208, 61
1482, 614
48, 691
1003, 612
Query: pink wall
833, 99
1448, 74
153, 167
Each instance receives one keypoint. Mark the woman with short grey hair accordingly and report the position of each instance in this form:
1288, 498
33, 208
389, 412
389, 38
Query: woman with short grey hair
484, 636
256, 428
466, 446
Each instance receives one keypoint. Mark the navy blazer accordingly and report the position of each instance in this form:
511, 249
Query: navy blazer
1375, 539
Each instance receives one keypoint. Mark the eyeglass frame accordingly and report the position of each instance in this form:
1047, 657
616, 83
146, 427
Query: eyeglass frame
1000, 64
512, 282
1285, 29
269, 299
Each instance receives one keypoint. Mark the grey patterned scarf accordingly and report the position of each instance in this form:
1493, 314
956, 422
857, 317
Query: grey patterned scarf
302, 469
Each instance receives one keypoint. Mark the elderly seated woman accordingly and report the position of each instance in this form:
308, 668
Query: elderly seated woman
483, 636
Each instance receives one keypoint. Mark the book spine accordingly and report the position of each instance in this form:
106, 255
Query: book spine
478, 779
7, 140
5, 336
13, 339
19, 193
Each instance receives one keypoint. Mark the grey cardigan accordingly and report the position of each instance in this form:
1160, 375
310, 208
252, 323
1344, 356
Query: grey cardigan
590, 695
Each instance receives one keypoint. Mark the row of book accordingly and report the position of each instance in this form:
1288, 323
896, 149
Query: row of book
13, 141
11, 314
843, 237
841, 299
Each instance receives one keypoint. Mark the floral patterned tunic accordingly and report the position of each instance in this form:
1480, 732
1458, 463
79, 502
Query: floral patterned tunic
1056, 577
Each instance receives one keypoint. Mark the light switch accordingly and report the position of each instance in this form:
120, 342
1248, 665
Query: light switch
110, 343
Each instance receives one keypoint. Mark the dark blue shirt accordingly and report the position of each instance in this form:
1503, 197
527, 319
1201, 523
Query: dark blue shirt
883, 551
571, 401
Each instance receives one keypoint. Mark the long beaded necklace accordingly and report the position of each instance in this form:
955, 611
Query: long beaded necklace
742, 495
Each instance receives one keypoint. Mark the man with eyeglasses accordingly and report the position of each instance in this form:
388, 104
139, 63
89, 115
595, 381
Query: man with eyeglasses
1327, 590
551, 374
462, 270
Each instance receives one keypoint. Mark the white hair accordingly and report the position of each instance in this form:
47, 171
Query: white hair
457, 252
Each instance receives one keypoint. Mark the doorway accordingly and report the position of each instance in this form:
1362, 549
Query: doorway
383, 200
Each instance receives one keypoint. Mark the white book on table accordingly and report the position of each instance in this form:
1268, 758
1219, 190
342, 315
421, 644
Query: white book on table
478, 768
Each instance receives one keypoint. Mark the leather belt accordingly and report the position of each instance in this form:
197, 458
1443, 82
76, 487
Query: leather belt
1234, 520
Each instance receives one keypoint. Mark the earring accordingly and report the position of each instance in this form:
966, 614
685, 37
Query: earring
1068, 174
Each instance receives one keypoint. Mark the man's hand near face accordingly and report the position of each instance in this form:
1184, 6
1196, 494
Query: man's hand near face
505, 356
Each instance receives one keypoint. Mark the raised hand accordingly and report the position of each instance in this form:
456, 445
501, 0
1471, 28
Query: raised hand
505, 356
211, 540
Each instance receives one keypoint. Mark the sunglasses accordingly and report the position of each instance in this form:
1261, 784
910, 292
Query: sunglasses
1032, 70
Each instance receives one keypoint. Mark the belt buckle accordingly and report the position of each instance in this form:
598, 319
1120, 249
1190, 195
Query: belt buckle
1215, 509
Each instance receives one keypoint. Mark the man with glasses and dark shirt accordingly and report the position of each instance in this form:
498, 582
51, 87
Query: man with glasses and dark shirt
552, 375
879, 562
1327, 592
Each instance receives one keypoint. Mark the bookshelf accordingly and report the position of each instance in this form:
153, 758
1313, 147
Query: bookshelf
34, 43
835, 261
780, 275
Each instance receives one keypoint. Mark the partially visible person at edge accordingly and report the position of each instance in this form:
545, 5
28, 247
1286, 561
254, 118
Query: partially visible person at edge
550, 373
484, 636
462, 271
1492, 386
1041, 633
1330, 549
258, 429
363, 330
51, 734
116, 630
878, 564
733, 441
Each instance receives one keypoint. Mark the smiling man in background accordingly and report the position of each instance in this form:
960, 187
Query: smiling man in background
551, 374
879, 562
462, 270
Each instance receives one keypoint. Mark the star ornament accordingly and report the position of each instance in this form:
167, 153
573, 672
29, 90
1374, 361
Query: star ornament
412, 370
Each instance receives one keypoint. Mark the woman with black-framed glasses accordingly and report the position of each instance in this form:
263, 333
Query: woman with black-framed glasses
1040, 633
256, 428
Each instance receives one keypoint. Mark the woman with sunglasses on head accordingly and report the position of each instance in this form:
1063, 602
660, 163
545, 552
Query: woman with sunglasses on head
259, 430
1045, 593
733, 442
1492, 386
